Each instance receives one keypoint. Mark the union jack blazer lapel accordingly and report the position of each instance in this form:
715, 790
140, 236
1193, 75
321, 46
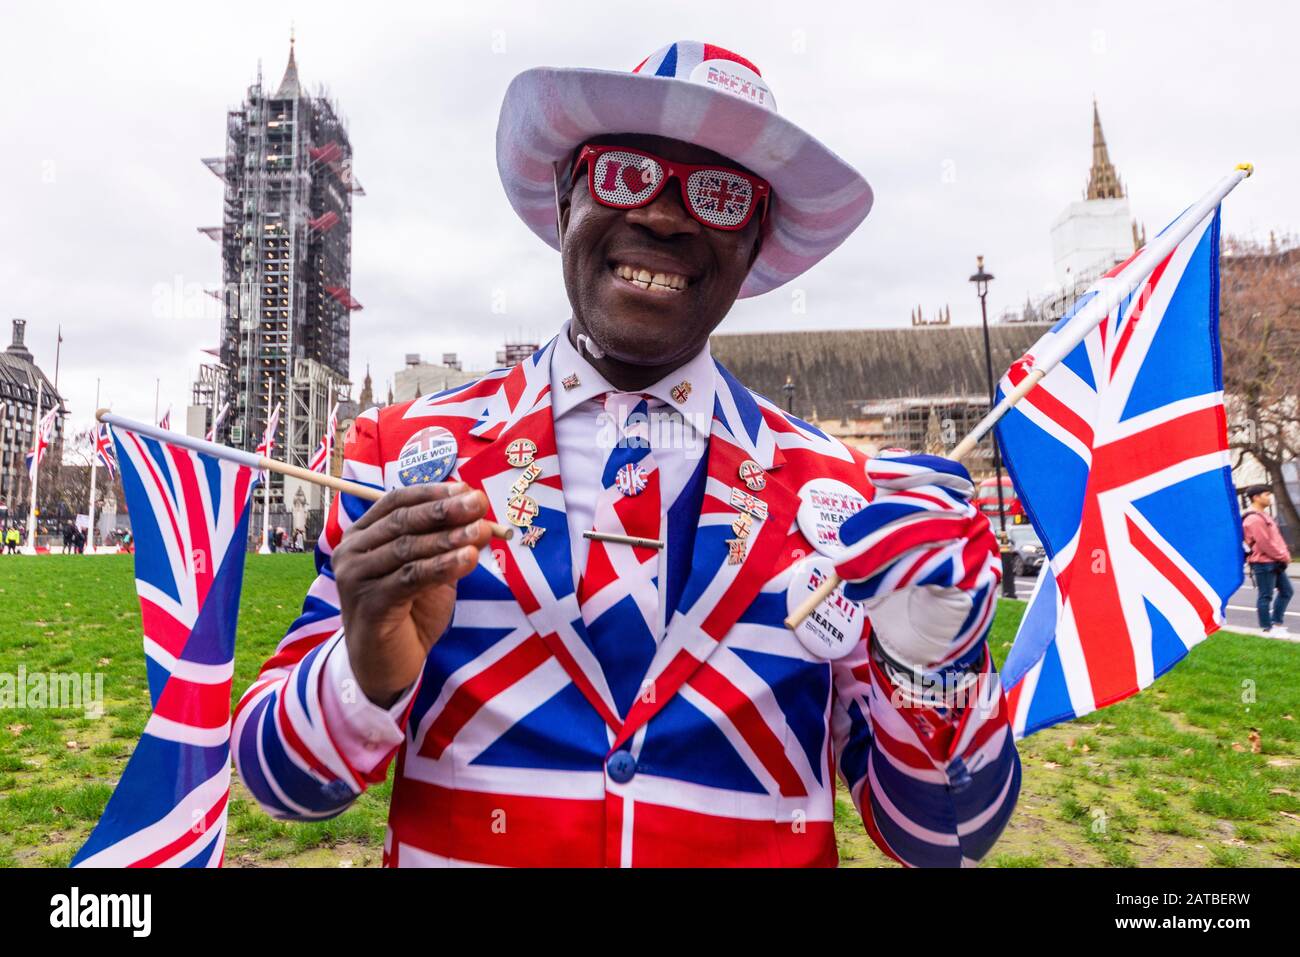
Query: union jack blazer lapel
539, 576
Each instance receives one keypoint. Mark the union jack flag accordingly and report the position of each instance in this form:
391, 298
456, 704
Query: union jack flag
217, 422
104, 450
1120, 458
44, 432
320, 462
267, 446
189, 516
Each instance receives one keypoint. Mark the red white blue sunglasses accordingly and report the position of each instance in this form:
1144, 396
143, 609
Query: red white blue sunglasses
717, 196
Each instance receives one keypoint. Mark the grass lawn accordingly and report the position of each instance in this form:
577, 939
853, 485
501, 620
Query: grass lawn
1203, 768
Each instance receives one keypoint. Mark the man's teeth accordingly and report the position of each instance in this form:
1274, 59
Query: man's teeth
645, 278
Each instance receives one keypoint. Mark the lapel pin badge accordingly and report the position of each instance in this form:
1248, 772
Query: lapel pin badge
631, 479
748, 503
531, 536
521, 452
751, 473
521, 511
529, 476
735, 551
570, 382
680, 392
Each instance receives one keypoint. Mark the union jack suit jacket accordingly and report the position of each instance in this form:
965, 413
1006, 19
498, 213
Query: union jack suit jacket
510, 737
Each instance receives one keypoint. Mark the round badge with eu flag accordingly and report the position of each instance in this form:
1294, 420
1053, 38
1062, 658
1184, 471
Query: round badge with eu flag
428, 456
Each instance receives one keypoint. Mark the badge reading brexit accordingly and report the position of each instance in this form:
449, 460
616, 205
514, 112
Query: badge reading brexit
824, 504
428, 456
835, 626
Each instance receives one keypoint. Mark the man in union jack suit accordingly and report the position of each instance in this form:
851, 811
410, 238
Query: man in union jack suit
614, 685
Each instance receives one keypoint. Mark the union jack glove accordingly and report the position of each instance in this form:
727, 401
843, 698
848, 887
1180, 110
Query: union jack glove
924, 563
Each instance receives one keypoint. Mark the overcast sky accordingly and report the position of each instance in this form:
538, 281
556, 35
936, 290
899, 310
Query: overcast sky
972, 122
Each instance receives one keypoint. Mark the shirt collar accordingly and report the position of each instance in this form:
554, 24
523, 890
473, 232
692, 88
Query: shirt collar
695, 377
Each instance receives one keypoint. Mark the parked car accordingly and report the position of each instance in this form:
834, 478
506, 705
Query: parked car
1027, 552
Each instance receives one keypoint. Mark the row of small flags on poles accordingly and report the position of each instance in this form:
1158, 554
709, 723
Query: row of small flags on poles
103, 441
1118, 456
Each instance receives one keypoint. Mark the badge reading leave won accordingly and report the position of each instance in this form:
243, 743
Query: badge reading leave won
835, 626
428, 456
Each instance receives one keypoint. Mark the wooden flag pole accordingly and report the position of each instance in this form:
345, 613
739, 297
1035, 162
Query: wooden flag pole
1110, 293
262, 462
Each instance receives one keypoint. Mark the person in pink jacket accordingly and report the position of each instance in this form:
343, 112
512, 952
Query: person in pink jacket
1268, 560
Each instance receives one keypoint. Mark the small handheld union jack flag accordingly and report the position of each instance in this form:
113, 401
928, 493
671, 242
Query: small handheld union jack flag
1120, 458
189, 516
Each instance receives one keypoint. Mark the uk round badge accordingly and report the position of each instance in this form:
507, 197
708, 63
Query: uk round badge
522, 510
631, 479
824, 504
520, 453
428, 456
751, 473
835, 626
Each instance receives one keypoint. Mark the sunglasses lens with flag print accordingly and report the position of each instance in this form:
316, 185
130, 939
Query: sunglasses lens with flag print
715, 195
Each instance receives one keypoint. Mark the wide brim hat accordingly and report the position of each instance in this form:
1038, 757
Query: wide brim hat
701, 94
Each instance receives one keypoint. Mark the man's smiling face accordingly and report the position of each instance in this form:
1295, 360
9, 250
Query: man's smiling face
701, 269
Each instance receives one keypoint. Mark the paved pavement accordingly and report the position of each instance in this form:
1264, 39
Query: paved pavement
1241, 608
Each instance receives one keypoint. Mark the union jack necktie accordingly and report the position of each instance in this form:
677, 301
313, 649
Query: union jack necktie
619, 588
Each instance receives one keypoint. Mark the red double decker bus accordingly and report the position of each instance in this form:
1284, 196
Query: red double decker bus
986, 500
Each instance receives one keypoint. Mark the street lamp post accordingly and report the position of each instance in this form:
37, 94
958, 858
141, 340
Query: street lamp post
788, 389
981, 280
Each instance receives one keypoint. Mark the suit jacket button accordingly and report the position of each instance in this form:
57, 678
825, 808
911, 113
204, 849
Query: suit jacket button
621, 767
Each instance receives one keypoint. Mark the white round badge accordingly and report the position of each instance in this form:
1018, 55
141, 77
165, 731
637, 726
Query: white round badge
824, 504
428, 456
835, 626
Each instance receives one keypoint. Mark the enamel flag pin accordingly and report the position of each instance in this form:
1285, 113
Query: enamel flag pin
520, 453
748, 503
521, 511
530, 475
751, 473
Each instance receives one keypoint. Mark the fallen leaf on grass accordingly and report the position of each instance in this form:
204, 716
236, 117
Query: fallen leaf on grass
1255, 741
1280, 762
1294, 817
1051, 765
72, 745
1237, 746
1281, 791
17, 729
104, 662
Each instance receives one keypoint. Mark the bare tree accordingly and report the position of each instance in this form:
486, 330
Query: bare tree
1260, 328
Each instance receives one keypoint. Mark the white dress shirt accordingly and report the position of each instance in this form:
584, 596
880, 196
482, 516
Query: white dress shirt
679, 435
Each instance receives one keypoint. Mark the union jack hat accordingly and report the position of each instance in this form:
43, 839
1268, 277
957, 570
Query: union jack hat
701, 94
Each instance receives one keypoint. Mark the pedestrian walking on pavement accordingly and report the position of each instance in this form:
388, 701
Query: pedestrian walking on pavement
1268, 561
